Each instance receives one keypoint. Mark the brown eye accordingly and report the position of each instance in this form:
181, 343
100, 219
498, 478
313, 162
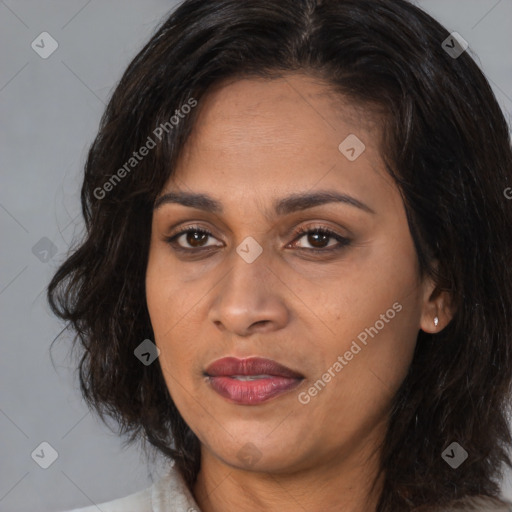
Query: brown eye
190, 238
318, 238
195, 238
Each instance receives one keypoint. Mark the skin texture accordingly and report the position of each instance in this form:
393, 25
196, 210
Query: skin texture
256, 141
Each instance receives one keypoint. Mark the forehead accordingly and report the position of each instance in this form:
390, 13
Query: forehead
255, 136
254, 113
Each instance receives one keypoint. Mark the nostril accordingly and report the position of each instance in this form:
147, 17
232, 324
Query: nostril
259, 323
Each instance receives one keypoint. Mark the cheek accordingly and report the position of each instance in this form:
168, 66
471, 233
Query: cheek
165, 311
173, 307
375, 358
167, 305
367, 296
386, 335
375, 316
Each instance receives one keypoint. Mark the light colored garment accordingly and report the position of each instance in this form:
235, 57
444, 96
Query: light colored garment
478, 504
169, 494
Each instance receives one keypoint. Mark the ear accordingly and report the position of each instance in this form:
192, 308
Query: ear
436, 303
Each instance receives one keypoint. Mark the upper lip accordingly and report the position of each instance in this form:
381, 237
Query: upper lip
228, 366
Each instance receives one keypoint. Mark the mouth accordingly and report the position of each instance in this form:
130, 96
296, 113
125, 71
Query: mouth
250, 381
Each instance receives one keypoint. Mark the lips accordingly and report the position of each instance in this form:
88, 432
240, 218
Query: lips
250, 381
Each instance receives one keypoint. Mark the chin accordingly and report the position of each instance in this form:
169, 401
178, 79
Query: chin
259, 449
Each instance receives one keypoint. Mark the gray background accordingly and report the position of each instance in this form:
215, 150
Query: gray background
50, 109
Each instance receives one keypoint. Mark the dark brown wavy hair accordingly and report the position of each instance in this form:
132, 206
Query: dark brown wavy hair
446, 144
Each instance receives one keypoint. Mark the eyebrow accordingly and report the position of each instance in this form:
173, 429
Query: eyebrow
283, 206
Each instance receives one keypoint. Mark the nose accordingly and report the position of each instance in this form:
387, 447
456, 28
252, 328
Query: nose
250, 298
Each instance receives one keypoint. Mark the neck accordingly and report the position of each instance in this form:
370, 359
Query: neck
341, 485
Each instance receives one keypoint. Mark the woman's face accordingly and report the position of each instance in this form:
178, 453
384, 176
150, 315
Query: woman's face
339, 311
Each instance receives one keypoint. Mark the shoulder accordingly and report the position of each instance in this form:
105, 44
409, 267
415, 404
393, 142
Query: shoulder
169, 494
136, 502
473, 504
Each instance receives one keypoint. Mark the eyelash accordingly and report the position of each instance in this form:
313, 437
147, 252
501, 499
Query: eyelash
298, 233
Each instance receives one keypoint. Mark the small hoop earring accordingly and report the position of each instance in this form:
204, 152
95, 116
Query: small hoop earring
436, 321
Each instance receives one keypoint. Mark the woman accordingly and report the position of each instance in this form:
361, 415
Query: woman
295, 279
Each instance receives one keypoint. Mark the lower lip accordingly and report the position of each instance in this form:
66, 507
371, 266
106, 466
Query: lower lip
252, 392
